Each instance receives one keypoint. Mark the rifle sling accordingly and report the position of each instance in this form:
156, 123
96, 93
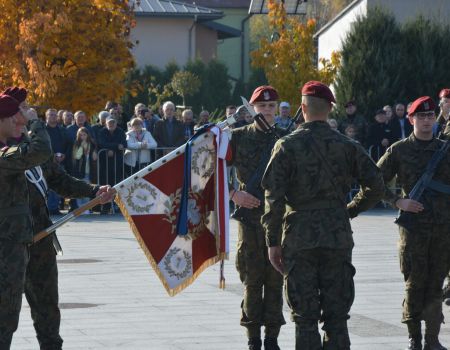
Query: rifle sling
430, 169
261, 167
439, 187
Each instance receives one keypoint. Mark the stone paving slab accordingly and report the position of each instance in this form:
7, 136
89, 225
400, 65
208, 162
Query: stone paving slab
111, 298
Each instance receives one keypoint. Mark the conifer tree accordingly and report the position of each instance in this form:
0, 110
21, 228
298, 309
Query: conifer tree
371, 63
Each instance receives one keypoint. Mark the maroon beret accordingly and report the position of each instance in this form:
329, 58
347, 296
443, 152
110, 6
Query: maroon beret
444, 93
264, 93
422, 104
20, 94
318, 89
9, 106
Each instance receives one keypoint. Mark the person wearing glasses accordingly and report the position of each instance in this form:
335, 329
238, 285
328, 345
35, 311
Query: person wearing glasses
424, 248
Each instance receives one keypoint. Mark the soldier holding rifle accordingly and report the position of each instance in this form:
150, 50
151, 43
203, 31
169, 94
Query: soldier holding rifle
422, 166
263, 301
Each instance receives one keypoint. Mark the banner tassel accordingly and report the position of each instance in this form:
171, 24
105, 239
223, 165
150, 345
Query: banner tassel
222, 275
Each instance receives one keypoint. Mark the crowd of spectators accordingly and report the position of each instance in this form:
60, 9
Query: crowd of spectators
116, 146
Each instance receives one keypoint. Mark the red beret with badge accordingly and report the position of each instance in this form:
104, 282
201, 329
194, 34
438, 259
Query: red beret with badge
20, 94
264, 93
422, 105
317, 89
9, 106
445, 93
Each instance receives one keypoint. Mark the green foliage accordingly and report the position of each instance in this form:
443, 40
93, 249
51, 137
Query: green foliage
371, 59
185, 83
152, 86
383, 62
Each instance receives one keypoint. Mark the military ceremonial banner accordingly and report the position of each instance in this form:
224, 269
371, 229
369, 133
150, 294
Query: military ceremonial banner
151, 203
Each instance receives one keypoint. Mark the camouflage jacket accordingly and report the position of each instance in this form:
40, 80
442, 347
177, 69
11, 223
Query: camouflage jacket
59, 181
249, 145
407, 159
15, 218
303, 209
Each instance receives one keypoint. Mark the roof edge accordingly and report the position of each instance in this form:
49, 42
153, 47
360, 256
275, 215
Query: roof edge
336, 18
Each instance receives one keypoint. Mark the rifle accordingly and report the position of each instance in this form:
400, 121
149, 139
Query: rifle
296, 120
407, 219
253, 186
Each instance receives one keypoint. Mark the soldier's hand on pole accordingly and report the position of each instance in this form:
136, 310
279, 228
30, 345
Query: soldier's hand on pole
246, 200
410, 205
106, 193
276, 258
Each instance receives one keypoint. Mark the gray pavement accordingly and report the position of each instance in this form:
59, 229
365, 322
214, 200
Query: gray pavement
111, 298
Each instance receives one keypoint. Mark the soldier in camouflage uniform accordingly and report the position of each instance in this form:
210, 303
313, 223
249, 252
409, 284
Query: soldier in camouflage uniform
443, 122
41, 280
16, 225
306, 219
424, 250
41, 283
263, 297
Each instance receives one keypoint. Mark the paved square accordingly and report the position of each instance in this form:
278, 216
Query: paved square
111, 298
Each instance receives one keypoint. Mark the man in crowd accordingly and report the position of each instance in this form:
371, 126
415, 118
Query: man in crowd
424, 245
400, 126
80, 120
16, 226
379, 136
61, 148
263, 301
188, 123
203, 118
169, 132
67, 119
284, 118
102, 116
314, 249
113, 139
358, 122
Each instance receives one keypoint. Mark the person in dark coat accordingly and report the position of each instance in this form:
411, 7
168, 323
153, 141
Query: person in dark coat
111, 143
169, 132
400, 125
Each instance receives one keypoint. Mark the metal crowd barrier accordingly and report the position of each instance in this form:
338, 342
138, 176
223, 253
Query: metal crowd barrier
111, 167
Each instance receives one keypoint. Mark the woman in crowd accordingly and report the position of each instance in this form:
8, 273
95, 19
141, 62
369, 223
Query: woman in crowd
139, 143
84, 158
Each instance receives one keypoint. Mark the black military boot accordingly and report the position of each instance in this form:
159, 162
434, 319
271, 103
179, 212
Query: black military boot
415, 344
254, 344
432, 343
271, 344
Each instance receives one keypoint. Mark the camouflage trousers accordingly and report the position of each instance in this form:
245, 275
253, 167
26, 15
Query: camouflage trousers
263, 285
13, 263
319, 287
41, 291
424, 261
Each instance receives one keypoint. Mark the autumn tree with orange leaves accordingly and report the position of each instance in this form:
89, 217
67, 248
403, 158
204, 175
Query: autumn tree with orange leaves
69, 54
288, 59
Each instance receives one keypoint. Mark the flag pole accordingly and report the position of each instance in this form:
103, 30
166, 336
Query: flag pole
141, 173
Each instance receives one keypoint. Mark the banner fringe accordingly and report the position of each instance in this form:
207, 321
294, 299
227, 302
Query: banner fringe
171, 291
